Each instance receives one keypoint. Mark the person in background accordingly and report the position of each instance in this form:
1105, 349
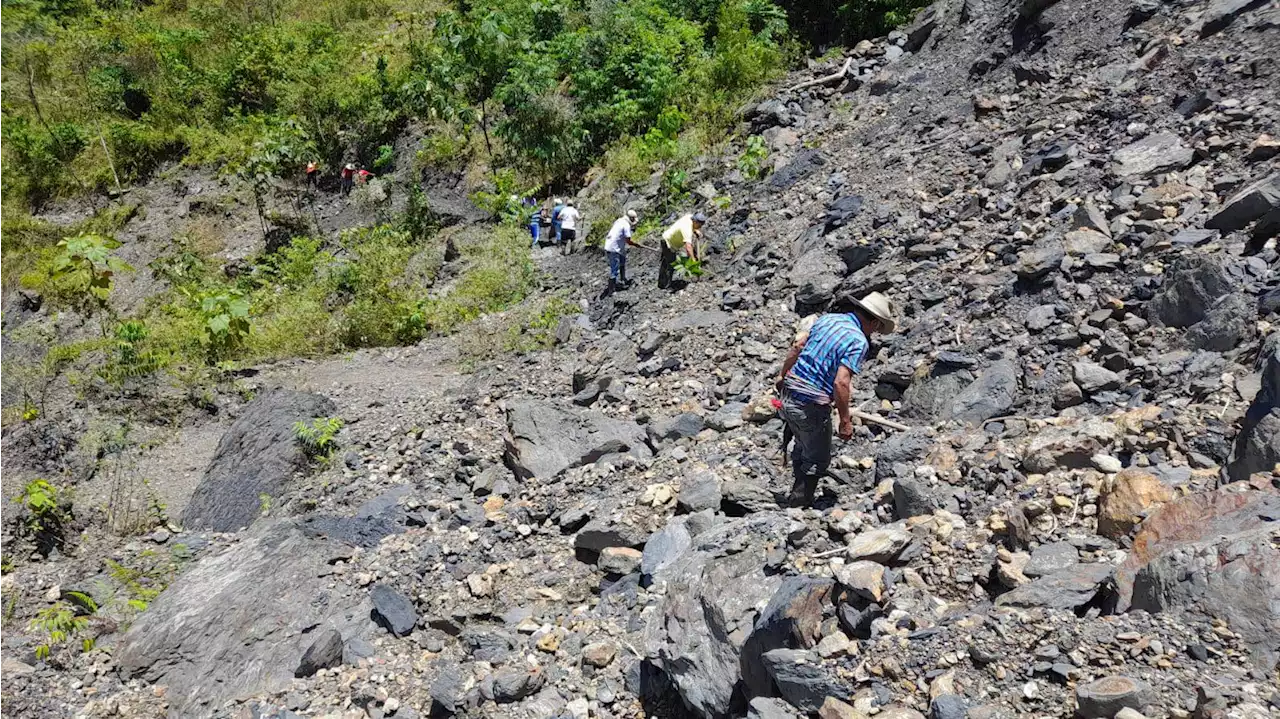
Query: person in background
615, 248
818, 373
556, 208
363, 176
681, 236
313, 175
535, 220
348, 178
544, 219
568, 229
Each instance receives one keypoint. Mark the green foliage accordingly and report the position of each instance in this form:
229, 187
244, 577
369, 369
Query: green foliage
44, 503
85, 268
149, 573
385, 158
317, 438
57, 625
751, 163
688, 268
225, 316
828, 22
132, 359
503, 201
419, 220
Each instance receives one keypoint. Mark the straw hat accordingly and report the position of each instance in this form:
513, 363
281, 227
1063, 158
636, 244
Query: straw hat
879, 307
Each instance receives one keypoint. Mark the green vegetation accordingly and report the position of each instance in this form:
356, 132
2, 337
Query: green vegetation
58, 624
47, 515
751, 163
317, 438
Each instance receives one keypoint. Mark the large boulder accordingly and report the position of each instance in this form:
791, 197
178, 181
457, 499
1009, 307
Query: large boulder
1190, 289
990, 395
714, 592
1257, 447
257, 456
1161, 152
1215, 554
1248, 205
241, 622
547, 438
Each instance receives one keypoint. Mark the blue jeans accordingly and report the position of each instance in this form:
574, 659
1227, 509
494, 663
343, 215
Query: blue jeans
533, 230
618, 265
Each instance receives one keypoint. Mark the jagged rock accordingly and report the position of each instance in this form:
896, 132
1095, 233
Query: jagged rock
1126, 498
992, 394
698, 630
1213, 550
1221, 13
793, 618
901, 451
324, 652
447, 687
1105, 697
744, 496
801, 678
685, 424
804, 163
1257, 447
1085, 242
699, 319
1092, 378
884, 545
664, 547
1161, 152
233, 624
1067, 589
256, 457
1051, 558
728, 417
392, 610
546, 439
769, 708
1247, 205
933, 393
605, 531
599, 654
698, 491
948, 706
1034, 264
1189, 290
912, 497
1069, 447
619, 560
1229, 322
512, 684
865, 579
833, 708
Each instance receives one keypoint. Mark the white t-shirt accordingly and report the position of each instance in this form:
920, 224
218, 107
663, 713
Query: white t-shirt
616, 240
569, 218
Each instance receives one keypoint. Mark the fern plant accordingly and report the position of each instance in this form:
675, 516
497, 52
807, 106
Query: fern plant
751, 163
47, 514
59, 623
317, 438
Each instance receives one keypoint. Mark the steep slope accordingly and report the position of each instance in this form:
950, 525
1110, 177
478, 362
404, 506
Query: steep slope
1070, 204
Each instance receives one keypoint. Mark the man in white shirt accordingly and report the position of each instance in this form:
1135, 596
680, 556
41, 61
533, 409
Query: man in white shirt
568, 226
615, 247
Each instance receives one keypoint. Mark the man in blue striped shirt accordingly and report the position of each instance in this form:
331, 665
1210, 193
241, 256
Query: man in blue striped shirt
818, 373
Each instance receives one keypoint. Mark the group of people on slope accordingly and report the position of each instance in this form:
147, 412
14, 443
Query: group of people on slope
557, 224
350, 176
680, 239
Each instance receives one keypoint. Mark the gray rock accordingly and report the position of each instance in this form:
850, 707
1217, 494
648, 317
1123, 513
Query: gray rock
1067, 589
1041, 317
744, 495
1190, 288
884, 545
619, 560
392, 610
1105, 697
1257, 447
603, 531
1036, 263
1092, 378
696, 635
727, 417
769, 708
699, 490
683, 425
1089, 217
802, 680
699, 319
1212, 550
324, 652
664, 547
447, 687
992, 394
912, 497
903, 450
512, 684
234, 624
545, 439
805, 163
1161, 152
793, 618
949, 706
257, 456
1230, 321
1221, 13
1247, 205
1051, 558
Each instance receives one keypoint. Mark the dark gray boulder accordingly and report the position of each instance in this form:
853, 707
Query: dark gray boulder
792, 619
238, 622
1190, 288
804, 163
1069, 588
1051, 558
324, 652
546, 438
257, 456
912, 497
990, 395
1159, 152
664, 547
699, 490
1257, 447
1229, 322
802, 680
681, 426
696, 635
392, 610
1248, 205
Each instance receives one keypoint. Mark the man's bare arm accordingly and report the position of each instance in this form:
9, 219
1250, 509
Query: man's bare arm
792, 356
844, 393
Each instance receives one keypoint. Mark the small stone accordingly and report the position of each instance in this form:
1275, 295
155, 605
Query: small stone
863, 578
599, 654
1107, 696
1106, 463
619, 560
1128, 713
835, 644
833, 708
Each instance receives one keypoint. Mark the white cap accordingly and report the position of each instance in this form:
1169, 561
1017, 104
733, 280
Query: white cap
631, 215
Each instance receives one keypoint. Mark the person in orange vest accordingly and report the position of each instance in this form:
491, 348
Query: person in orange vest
348, 177
313, 174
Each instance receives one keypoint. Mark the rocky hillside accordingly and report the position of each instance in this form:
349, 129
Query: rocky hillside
1073, 206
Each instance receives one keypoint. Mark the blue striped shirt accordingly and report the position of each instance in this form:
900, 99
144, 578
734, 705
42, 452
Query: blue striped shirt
835, 341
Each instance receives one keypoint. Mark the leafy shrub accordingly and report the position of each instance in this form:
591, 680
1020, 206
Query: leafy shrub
317, 439
688, 268
226, 322
132, 358
85, 270
58, 624
47, 514
752, 162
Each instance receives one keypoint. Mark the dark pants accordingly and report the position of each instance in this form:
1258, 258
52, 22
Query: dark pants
567, 237
810, 425
666, 266
618, 266
346, 185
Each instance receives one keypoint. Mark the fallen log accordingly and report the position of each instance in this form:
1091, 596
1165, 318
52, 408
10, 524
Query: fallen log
838, 75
